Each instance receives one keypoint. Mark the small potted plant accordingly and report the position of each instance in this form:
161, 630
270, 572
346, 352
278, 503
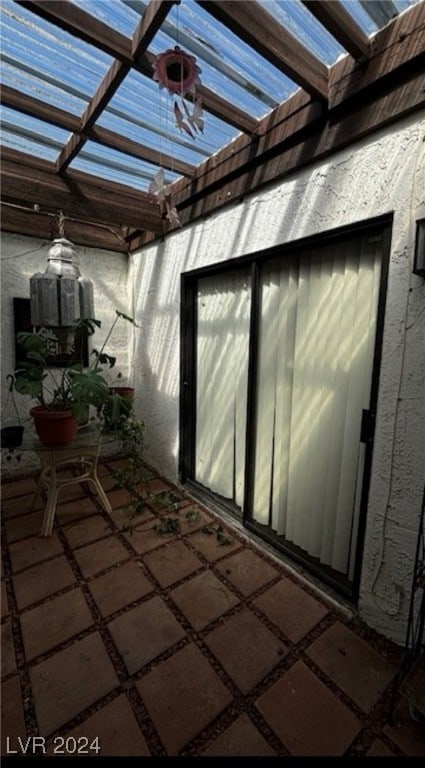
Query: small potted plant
64, 395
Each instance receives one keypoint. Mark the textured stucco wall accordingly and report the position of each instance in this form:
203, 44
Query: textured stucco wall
383, 173
21, 257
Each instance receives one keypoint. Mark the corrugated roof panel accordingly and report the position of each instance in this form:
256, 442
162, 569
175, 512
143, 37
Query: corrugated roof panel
112, 12
30, 135
143, 112
229, 67
297, 19
40, 60
117, 166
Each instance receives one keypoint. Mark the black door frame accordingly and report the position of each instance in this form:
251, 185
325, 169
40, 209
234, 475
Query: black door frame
382, 226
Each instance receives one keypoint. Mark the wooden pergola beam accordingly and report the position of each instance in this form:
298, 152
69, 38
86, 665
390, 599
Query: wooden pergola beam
256, 27
37, 108
399, 45
81, 24
149, 24
18, 219
77, 194
341, 26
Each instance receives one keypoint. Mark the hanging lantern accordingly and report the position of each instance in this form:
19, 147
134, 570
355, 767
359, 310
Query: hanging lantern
60, 296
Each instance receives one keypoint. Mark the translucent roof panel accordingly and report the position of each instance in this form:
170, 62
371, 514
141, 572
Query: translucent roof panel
141, 111
297, 19
228, 66
117, 166
59, 69
41, 60
30, 135
360, 12
114, 13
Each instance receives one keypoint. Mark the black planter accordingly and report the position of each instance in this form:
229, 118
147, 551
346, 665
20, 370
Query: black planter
11, 437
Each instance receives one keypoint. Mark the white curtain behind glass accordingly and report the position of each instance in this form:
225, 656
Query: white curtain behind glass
223, 311
317, 332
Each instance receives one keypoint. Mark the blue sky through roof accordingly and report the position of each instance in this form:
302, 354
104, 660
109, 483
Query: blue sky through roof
43, 61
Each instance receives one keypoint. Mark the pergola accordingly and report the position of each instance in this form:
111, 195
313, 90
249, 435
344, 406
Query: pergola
371, 81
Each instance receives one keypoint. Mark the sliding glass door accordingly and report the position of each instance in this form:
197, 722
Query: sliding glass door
315, 355
280, 384
222, 338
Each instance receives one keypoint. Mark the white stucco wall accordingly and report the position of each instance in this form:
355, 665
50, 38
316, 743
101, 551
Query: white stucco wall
380, 174
21, 257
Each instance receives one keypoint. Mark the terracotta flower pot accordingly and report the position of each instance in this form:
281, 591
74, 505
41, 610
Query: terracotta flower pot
54, 428
127, 392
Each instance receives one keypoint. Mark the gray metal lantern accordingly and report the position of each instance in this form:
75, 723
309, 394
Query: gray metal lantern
60, 295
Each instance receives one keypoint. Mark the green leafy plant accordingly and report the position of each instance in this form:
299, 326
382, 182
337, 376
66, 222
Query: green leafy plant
132, 473
71, 386
165, 499
167, 526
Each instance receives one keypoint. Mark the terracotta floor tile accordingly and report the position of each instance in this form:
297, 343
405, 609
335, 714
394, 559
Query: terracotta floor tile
114, 729
18, 488
145, 538
379, 749
307, 717
203, 599
242, 739
191, 518
23, 526
4, 601
103, 470
42, 581
291, 609
410, 737
209, 546
145, 632
247, 571
8, 659
172, 563
70, 681
119, 587
107, 482
71, 492
12, 715
87, 530
28, 552
156, 485
189, 688
75, 510
354, 665
94, 558
54, 622
126, 520
246, 649
21, 505
118, 498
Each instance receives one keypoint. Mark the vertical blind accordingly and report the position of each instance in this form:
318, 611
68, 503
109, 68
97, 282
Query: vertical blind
223, 312
316, 345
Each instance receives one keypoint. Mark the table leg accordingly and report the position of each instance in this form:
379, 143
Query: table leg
50, 509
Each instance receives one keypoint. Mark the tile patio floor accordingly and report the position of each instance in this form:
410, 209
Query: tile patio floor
190, 643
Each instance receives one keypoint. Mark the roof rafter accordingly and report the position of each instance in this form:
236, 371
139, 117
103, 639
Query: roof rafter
149, 24
18, 219
77, 22
30, 179
253, 24
37, 108
341, 25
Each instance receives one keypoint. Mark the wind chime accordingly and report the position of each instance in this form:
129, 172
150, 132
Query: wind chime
177, 72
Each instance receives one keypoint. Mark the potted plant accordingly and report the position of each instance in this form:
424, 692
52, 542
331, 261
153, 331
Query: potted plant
64, 395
